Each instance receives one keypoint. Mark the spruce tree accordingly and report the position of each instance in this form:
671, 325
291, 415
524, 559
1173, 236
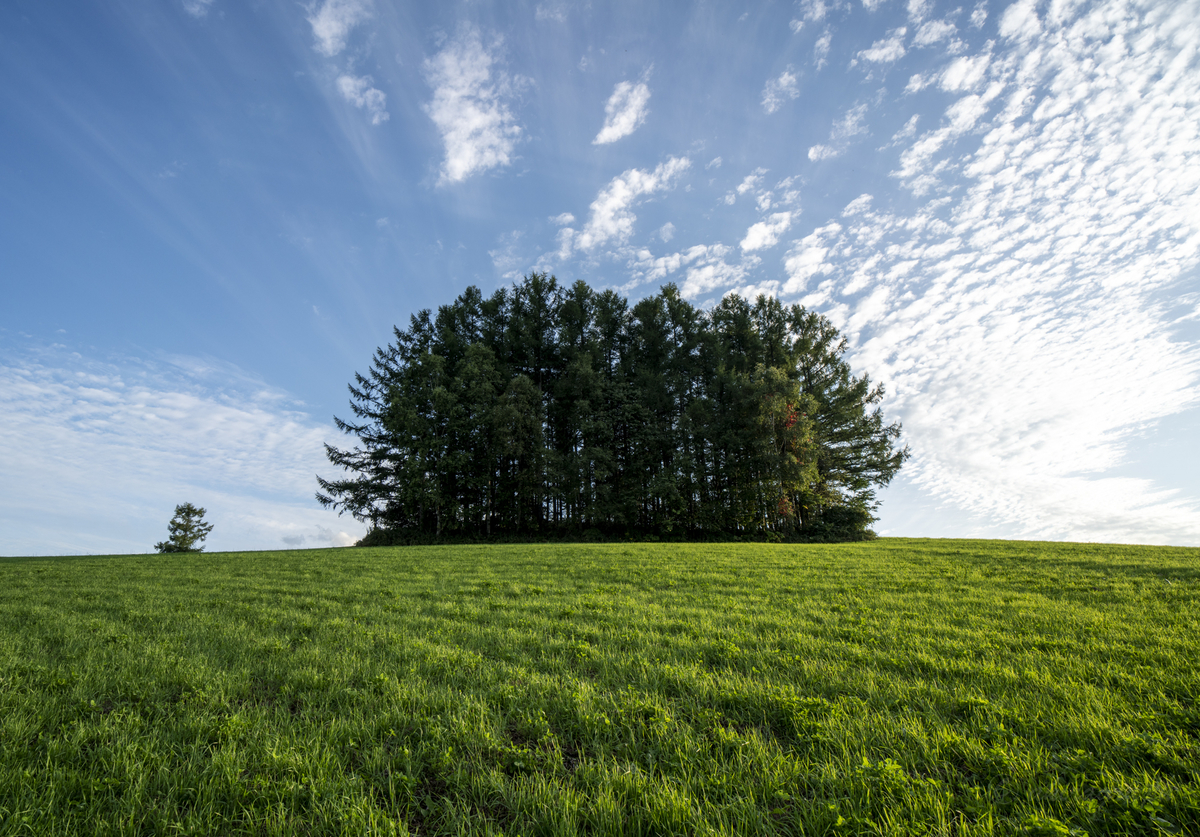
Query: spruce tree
187, 530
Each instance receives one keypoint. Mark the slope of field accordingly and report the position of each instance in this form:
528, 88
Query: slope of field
896, 687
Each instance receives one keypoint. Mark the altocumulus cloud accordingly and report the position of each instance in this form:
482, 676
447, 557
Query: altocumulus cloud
470, 107
97, 453
1012, 313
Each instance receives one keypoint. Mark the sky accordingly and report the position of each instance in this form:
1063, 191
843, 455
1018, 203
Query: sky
213, 212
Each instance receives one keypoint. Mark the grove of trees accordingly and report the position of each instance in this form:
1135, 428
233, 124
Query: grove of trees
551, 411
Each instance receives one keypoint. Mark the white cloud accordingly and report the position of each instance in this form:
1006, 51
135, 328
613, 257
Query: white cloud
666, 232
332, 22
360, 93
563, 220
814, 10
821, 49
806, 259
624, 112
917, 82
766, 233
979, 15
886, 49
872, 5
769, 287
1020, 21
707, 270
751, 182
556, 11
197, 8
470, 108
786, 192
796, 26
97, 454
509, 258
780, 90
857, 206
714, 163
966, 73
909, 129
934, 31
918, 10
919, 170
611, 218
850, 125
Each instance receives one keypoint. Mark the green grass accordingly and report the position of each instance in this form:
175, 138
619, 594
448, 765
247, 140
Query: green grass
896, 687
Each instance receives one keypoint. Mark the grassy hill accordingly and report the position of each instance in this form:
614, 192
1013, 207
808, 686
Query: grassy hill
895, 687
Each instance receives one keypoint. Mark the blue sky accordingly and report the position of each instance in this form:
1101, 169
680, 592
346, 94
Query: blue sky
211, 213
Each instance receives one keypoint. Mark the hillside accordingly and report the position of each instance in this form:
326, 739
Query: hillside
897, 686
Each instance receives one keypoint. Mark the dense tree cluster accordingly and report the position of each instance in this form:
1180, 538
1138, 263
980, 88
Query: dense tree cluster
545, 410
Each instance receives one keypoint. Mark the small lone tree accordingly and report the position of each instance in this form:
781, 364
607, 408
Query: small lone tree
187, 530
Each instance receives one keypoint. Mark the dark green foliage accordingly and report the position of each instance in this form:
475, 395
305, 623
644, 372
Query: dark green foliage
550, 412
188, 530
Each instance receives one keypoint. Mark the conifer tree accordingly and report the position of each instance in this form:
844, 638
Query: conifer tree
187, 530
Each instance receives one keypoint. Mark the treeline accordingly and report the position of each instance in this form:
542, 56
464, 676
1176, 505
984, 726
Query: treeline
545, 411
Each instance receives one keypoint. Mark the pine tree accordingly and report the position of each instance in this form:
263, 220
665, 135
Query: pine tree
187, 529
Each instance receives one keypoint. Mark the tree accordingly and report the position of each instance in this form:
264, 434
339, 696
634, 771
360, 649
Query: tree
857, 451
187, 530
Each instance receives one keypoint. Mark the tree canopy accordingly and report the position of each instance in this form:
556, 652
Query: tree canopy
545, 410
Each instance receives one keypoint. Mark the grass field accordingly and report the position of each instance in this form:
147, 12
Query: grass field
896, 687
